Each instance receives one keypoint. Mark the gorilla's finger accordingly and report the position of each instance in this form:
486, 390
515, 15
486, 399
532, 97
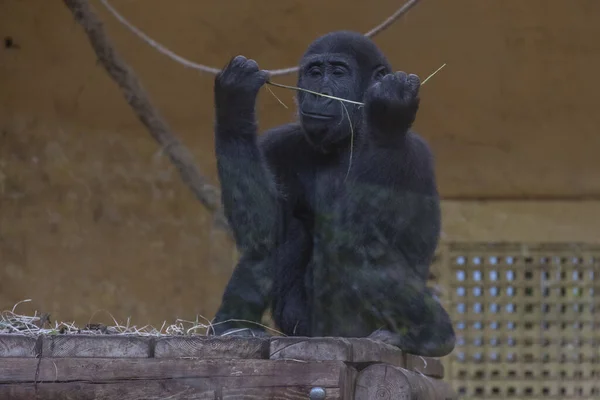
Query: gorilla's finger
389, 78
264, 75
250, 65
401, 76
414, 82
238, 60
234, 62
411, 88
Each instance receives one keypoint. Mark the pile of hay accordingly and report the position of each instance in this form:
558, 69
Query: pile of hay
12, 322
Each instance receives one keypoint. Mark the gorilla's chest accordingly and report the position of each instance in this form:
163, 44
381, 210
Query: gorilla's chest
324, 189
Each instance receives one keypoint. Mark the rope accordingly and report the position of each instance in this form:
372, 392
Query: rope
211, 70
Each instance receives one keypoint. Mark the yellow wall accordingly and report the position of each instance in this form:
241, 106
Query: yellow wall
92, 216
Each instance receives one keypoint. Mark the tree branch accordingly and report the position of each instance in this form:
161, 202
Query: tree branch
137, 98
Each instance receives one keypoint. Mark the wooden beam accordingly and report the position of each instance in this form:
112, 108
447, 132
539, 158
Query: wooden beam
382, 381
96, 346
426, 366
110, 378
351, 350
165, 389
198, 367
232, 373
212, 347
15, 345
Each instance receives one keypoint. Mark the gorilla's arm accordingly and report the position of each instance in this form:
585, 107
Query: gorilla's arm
393, 210
275, 275
249, 194
291, 296
391, 223
258, 201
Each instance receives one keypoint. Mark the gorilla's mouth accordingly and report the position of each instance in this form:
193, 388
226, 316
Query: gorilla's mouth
316, 115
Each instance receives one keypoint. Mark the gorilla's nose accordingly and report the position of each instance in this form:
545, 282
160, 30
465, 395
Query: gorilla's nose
322, 96
326, 92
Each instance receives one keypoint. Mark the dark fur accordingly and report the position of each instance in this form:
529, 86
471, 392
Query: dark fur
334, 250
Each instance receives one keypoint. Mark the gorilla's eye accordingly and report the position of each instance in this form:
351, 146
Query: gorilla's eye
314, 72
380, 73
339, 72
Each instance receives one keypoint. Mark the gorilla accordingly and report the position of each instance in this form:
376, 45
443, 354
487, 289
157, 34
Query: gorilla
336, 216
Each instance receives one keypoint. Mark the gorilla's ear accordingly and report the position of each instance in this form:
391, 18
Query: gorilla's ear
379, 73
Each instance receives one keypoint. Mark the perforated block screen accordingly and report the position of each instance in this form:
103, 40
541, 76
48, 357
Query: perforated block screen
525, 319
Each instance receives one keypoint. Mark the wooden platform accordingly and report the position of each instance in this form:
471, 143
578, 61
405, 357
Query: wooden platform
223, 368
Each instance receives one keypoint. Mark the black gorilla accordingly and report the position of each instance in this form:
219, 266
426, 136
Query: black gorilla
337, 215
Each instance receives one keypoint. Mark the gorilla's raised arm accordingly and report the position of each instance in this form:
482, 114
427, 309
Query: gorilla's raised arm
258, 196
249, 194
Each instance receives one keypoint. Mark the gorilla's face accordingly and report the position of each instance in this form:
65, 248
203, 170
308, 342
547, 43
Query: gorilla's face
324, 119
340, 64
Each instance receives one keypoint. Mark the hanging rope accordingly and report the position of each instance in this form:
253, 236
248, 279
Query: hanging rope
211, 70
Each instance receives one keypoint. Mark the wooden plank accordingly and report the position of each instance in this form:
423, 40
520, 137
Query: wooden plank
355, 350
18, 391
212, 347
13, 369
304, 348
382, 381
166, 389
347, 382
427, 366
374, 382
206, 373
96, 346
15, 345
368, 351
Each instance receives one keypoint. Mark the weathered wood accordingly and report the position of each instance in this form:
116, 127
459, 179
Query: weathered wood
305, 348
14, 369
212, 347
382, 381
17, 391
113, 366
347, 381
432, 367
164, 389
352, 350
374, 382
206, 373
96, 346
14, 345
368, 350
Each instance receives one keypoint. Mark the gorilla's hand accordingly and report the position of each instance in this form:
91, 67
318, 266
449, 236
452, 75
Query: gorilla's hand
388, 337
238, 84
391, 104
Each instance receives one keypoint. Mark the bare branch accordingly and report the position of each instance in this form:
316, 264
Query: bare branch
137, 98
